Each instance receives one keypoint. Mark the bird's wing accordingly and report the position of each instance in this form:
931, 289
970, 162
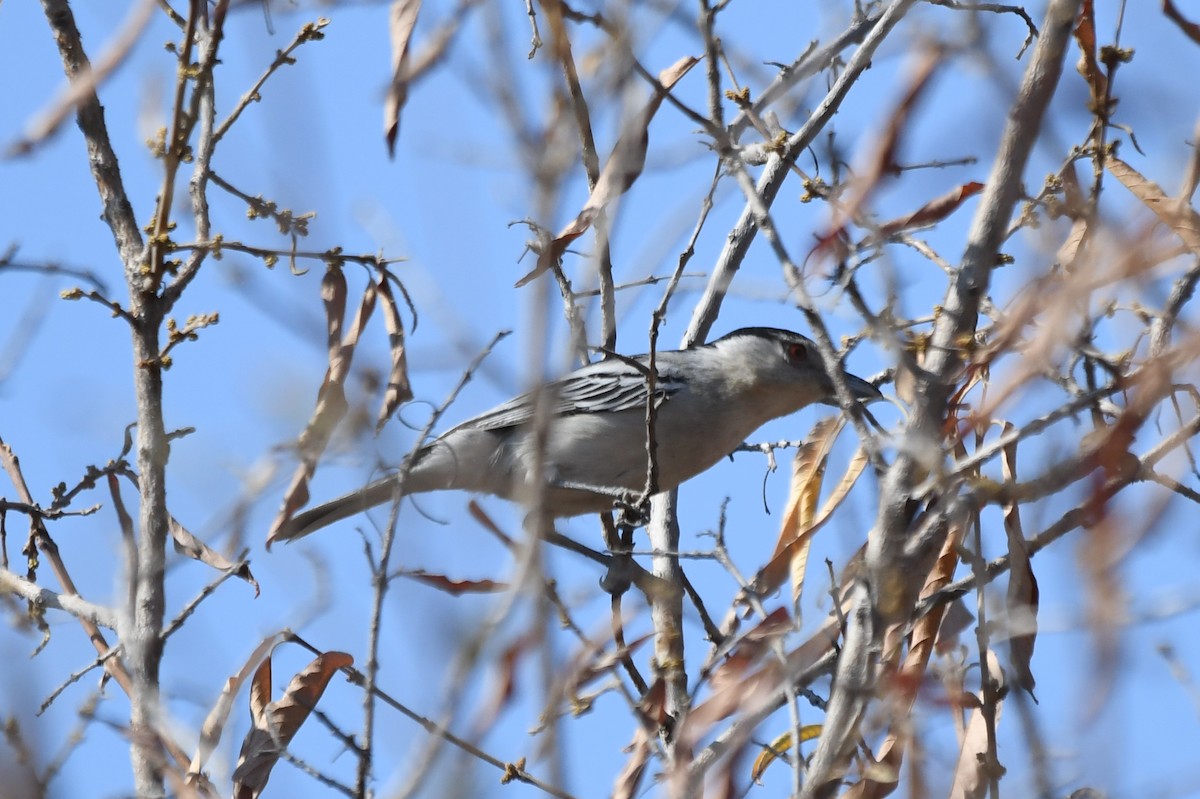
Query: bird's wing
605, 387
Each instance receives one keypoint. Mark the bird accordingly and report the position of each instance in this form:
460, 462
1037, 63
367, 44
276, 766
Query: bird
708, 398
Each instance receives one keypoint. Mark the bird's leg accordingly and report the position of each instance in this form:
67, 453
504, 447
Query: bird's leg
621, 568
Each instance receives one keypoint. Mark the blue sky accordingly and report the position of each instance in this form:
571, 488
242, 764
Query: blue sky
445, 203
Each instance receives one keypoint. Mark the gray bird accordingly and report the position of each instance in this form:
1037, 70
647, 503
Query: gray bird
709, 398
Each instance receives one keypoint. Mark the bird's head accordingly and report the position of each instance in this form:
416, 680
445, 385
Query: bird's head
787, 366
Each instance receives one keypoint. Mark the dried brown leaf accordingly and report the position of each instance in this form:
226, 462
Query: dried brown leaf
652, 711
1022, 596
331, 398
1189, 28
623, 167
276, 723
339, 368
398, 389
402, 19
971, 775
794, 537
1089, 65
882, 160
455, 587
933, 211
908, 677
1180, 217
333, 296
214, 723
808, 471
188, 544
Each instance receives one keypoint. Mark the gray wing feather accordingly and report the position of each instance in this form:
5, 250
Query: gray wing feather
606, 387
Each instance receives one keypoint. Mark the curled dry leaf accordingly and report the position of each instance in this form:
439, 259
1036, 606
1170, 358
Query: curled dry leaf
971, 774
882, 161
214, 723
808, 470
1022, 596
398, 389
623, 167
188, 544
402, 19
333, 297
1089, 66
799, 524
331, 398
933, 211
276, 723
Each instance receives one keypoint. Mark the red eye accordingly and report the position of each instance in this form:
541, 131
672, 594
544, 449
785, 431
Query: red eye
797, 352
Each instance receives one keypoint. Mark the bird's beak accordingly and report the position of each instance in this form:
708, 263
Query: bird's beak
860, 389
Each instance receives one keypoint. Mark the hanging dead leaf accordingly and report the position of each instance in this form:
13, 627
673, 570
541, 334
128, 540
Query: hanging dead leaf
402, 19
331, 397
455, 587
276, 723
1022, 595
971, 778
398, 389
653, 713
1089, 66
781, 746
881, 161
214, 723
333, 297
736, 685
880, 780
623, 167
1180, 217
933, 211
808, 471
193, 547
796, 532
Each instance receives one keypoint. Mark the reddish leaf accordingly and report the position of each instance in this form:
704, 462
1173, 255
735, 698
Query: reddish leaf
1191, 29
1089, 66
933, 211
456, 587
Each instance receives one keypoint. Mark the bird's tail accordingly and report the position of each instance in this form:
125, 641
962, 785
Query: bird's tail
357, 501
